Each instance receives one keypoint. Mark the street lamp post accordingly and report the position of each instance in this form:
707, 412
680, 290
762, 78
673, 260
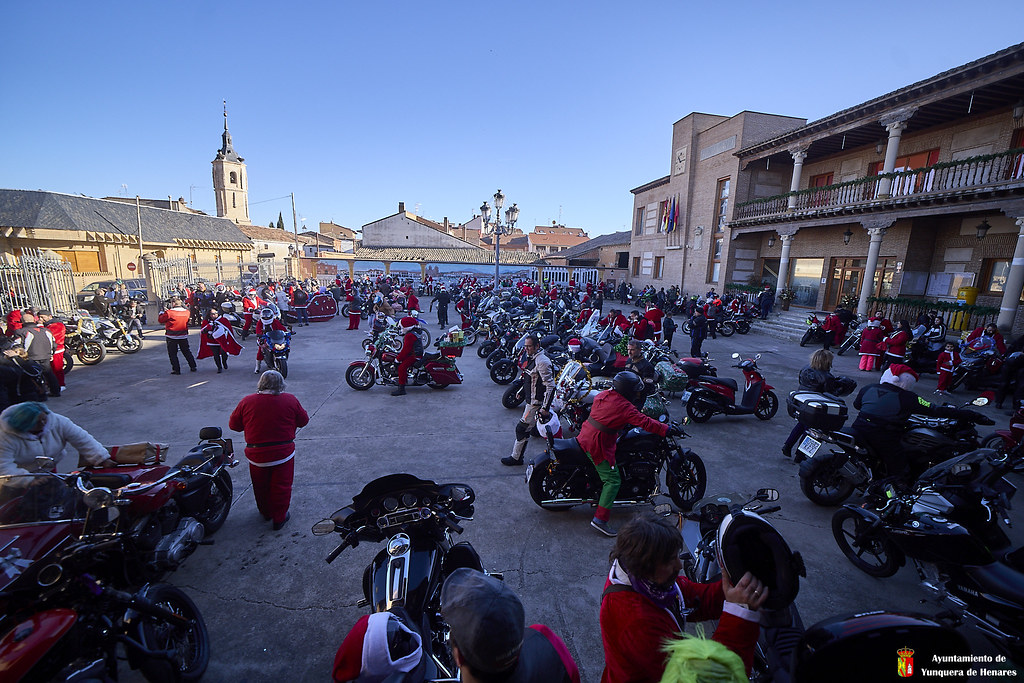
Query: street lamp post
511, 216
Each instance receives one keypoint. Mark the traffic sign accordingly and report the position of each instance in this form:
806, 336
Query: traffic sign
131, 267
254, 269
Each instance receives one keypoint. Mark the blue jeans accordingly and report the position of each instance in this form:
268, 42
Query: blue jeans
301, 316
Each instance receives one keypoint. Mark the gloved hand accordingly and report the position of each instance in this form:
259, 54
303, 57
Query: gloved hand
978, 418
675, 430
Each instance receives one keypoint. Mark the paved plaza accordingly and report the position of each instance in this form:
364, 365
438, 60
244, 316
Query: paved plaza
277, 611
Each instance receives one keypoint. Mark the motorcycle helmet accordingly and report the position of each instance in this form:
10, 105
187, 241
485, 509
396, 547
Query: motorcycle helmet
408, 324
266, 315
628, 384
227, 307
574, 345
748, 543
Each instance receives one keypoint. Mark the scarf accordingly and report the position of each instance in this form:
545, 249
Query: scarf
670, 598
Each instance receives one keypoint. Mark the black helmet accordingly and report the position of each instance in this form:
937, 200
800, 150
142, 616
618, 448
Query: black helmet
748, 543
628, 384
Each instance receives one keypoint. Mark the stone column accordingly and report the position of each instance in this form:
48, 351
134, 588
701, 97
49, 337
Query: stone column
540, 274
867, 287
423, 272
352, 270
798, 154
895, 123
787, 242
387, 268
1014, 284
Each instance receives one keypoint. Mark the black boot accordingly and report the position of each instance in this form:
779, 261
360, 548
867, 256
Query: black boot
400, 391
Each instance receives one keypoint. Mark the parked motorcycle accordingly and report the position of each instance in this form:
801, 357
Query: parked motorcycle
830, 478
815, 331
949, 527
115, 334
82, 340
276, 346
1005, 440
564, 477
707, 395
852, 340
978, 370
415, 519
435, 370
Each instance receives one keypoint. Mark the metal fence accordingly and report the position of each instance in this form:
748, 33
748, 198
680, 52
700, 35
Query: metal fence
39, 279
168, 274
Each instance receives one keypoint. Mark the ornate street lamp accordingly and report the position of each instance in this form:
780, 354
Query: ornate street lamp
771, 241
983, 228
511, 216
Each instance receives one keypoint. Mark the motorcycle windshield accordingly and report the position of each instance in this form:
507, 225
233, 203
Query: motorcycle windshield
276, 337
389, 484
37, 498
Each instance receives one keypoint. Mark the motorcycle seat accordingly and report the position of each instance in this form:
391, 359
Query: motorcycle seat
722, 381
431, 356
110, 480
569, 452
1000, 580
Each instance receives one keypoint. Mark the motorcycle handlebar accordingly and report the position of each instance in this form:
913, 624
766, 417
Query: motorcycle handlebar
350, 540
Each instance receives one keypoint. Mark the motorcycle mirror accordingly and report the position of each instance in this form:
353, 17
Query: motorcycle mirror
757, 357
97, 498
735, 355
324, 527
767, 495
981, 401
44, 463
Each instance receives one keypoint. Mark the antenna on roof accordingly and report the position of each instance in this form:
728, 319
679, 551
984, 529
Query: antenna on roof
124, 190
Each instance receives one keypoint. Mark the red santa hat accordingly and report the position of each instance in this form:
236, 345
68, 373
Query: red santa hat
574, 345
899, 375
408, 323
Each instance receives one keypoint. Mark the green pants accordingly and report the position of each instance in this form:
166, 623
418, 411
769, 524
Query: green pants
610, 481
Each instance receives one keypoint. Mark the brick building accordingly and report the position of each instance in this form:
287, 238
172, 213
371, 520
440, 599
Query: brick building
915, 193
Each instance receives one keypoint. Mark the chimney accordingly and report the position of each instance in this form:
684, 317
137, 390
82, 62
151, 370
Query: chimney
401, 207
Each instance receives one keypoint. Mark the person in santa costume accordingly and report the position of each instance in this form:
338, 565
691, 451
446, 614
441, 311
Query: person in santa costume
268, 321
216, 339
412, 350
251, 305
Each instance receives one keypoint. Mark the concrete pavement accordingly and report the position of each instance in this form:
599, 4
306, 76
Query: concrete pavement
276, 610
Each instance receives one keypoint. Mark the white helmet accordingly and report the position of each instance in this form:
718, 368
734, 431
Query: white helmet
266, 315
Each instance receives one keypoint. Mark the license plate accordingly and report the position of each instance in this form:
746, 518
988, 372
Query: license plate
809, 446
685, 397
529, 472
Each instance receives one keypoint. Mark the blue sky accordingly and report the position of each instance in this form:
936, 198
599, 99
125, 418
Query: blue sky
354, 107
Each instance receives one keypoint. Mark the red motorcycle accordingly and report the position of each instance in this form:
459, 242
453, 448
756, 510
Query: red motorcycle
69, 589
1006, 440
706, 395
436, 370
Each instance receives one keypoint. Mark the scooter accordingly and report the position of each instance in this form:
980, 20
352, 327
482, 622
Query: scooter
706, 395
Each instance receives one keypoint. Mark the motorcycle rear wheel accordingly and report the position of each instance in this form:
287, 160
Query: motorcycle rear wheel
686, 327
871, 552
485, 349
191, 644
698, 410
503, 372
824, 485
767, 406
513, 396
545, 485
687, 489
92, 352
358, 379
218, 503
128, 343
846, 345
742, 326
727, 329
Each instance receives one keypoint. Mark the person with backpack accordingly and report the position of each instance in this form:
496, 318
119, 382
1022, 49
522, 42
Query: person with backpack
300, 299
412, 351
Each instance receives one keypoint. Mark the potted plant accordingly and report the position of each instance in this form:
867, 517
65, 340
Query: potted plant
786, 297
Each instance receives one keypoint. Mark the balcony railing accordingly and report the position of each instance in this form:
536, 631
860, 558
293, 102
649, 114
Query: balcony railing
986, 171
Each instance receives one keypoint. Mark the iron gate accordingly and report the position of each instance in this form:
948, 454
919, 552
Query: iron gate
40, 279
168, 274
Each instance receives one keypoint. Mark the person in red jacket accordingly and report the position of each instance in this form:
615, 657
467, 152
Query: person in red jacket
411, 351
655, 315
616, 318
58, 330
412, 303
13, 322
896, 345
644, 598
269, 419
989, 331
870, 339
613, 409
640, 327
834, 330
175, 319
946, 363
268, 321
251, 305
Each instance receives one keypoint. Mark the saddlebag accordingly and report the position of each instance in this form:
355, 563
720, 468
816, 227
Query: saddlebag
138, 453
817, 411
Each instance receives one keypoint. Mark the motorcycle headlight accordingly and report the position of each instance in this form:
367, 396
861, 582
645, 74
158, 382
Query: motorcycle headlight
279, 347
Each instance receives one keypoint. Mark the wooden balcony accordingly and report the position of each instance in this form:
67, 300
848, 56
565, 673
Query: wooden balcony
952, 179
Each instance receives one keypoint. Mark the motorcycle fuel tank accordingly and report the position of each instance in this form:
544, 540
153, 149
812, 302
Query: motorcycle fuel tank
403, 574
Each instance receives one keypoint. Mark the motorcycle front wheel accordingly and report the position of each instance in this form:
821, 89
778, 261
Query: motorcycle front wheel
767, 406
824, 484
218, 503
494, 357
282, 367
870, 551
128, 343
688, 483
742, 326
686, 327
470, 337
360, 377
424, 336
92, 352
69, 361
190, 644
545, 485
485, 349
846, 345
806, 338
503, 372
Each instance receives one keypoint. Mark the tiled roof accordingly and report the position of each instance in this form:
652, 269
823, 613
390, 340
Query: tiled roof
54, 211
615, 238
440, 255
651, 185
556, 240
260, 233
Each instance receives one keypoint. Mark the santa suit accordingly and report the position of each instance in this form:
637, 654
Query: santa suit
261, 328
249, 305
945, 364
619, 321
217, 335
654, 315
406, 357
412, 303
870, 339
463, 308
58, 330
13, 322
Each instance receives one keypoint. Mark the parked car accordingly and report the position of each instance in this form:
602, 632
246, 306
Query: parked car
136, 290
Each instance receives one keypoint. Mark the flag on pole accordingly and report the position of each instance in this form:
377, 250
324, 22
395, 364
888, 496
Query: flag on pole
664, 217
673, 215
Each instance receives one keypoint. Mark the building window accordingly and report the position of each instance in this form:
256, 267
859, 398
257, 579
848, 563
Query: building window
993, 275
233, 206
721, 204
83, 261
234, 178
659, 267
622, 259
638, 227
636, 266
716, 259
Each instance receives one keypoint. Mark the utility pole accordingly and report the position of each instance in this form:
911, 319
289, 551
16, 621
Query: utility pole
295, 227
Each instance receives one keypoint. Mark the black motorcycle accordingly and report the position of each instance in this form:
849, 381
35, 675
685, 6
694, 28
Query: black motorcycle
815, 331
852, 340
949, 527
415, 518
564, 477
829, 478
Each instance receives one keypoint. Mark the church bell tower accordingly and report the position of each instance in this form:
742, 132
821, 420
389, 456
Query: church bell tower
230, 183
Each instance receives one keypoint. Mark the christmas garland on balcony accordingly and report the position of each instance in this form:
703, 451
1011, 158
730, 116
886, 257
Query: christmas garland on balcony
930, 305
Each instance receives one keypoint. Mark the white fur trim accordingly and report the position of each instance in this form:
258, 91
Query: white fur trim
377, 661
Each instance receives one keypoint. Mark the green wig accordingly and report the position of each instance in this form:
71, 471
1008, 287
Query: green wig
693, 659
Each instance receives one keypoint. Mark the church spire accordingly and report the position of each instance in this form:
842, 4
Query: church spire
227, 151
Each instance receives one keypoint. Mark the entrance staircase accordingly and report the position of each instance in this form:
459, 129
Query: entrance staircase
789, 325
